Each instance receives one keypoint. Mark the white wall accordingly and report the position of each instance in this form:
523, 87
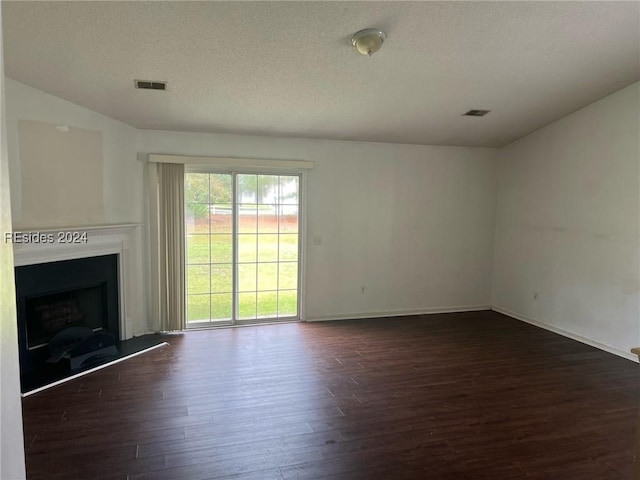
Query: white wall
567, 225
412, 224
12, 465
415, 225
122, 175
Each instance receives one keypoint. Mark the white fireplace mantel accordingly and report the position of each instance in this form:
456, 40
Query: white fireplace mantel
33, 246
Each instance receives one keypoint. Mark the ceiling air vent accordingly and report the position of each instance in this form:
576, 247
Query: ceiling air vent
149, 85
477, 113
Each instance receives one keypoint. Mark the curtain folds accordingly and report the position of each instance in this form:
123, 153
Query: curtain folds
171, 246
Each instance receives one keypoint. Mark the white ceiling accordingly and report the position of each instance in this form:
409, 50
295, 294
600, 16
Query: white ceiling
288, 68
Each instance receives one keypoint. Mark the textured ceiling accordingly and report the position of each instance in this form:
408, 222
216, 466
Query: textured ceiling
288, 68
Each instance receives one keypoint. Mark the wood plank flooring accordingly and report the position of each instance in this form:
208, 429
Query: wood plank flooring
454, 396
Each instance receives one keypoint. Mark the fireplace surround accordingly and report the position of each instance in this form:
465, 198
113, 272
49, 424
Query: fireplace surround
55, 296
100, 302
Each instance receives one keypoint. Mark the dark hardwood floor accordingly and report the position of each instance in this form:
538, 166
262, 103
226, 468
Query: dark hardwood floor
457, 396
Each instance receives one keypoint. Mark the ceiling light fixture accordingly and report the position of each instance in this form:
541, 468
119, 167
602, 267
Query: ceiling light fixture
368, 41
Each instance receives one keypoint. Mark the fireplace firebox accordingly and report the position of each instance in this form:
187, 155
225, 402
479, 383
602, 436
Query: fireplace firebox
55, 296
47, 315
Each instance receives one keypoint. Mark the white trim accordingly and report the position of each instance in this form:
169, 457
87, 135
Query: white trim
86, 372
152, 255
230, 162
100, 240
242, 325
574, 336
399, 313
302, 247
100, 229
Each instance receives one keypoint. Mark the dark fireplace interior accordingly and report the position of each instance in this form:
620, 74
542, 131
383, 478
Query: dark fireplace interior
53, 297
46, 315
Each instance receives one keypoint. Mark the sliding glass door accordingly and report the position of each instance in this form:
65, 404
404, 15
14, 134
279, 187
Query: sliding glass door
243, 237
209, 248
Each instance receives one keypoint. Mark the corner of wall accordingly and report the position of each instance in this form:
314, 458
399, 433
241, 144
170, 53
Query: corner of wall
12, 460
568, 227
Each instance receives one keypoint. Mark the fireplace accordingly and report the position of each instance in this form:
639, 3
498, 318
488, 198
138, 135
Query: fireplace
47, 315
55, 296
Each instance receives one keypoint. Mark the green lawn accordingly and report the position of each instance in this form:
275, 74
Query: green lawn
267, 274
264, 304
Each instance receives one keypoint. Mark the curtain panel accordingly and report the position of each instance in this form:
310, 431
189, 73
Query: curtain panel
168, 244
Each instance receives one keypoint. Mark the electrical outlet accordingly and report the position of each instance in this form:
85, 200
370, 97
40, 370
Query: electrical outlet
317, 240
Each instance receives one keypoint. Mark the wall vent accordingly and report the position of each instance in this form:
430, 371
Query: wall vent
150, 85
476, 113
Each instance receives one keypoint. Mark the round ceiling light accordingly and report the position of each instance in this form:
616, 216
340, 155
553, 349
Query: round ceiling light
368, 41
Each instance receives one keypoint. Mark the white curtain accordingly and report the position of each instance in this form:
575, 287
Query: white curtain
169, 249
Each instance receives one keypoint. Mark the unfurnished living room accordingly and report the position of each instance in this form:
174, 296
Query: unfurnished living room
320, 240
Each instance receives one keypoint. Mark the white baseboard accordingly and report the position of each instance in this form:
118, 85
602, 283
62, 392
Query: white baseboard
398, 313
574, 336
